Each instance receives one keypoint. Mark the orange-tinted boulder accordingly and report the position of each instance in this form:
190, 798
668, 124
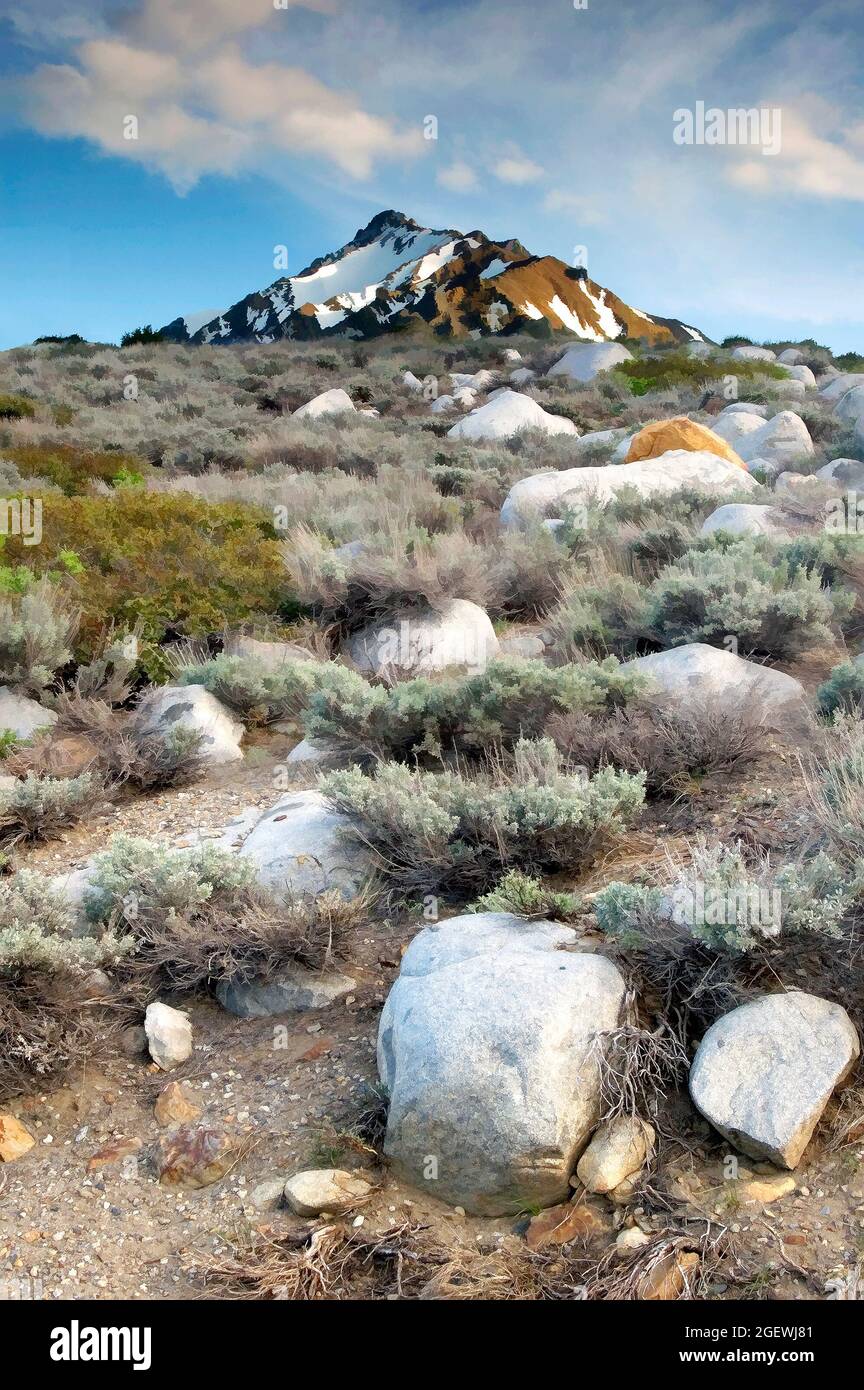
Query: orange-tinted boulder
678, 433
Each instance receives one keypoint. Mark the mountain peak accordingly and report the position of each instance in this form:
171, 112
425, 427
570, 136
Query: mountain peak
396, 274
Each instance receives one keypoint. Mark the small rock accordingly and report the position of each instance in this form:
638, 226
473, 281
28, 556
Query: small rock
268, 1193
668, 1279
15, 1140
195, 1156
169, 1035
569, 1220
133, 1040
325, 1189
617, 1151
174, 1106
293, 989
768, 1189
631, 1238
112, 1152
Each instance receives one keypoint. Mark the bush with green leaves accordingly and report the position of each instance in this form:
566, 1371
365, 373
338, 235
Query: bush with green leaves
513, 698
723, 923
135, 876
843, 690
14, 407
527, 896
197, 919
259, 694
598, 617
773, 608
49, 1019
37, 630
447, 832
35, 808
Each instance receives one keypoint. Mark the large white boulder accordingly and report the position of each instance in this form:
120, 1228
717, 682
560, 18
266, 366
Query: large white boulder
743, 519
419, 641
845, 473
744, 407
733, 425
583, 361
335, 402
793, 390
697, 676
299, 847
193, 707
790, 356
696, 468
802, 374
851, 405
22, 715
442, 403
839, 385
485, 1048
780, 441
763, 1074
746, 353
506, 415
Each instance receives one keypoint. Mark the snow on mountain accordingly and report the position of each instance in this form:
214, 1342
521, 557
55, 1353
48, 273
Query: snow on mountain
396, 274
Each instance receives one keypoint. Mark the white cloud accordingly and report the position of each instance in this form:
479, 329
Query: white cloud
584, 206
517, 168
202, 107
459, 177
808, 163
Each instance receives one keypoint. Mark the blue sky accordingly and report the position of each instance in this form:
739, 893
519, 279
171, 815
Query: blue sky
260, 126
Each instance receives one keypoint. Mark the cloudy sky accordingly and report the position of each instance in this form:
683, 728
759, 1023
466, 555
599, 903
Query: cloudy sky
269, 122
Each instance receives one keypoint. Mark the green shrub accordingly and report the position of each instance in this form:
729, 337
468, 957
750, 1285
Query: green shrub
74, 469
596, 618
38, 808
722, 925
527, 897
197, 921
47, 1022
135, 876
16, 407
512, 699
843, 690
261, 695
171, 562
770, 606
677, 368
140, 335
37, 629
445, 832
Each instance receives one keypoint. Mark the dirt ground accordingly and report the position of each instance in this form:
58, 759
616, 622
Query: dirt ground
74, 1228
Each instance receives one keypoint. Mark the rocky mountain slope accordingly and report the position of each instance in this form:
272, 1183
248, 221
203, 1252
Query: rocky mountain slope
395, 275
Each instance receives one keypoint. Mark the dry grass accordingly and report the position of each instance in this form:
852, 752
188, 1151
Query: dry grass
47, 1027
238, 936
638, 1068
334, 1262
671, 746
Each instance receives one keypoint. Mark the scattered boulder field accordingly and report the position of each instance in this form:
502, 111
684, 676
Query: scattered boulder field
496, 1013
